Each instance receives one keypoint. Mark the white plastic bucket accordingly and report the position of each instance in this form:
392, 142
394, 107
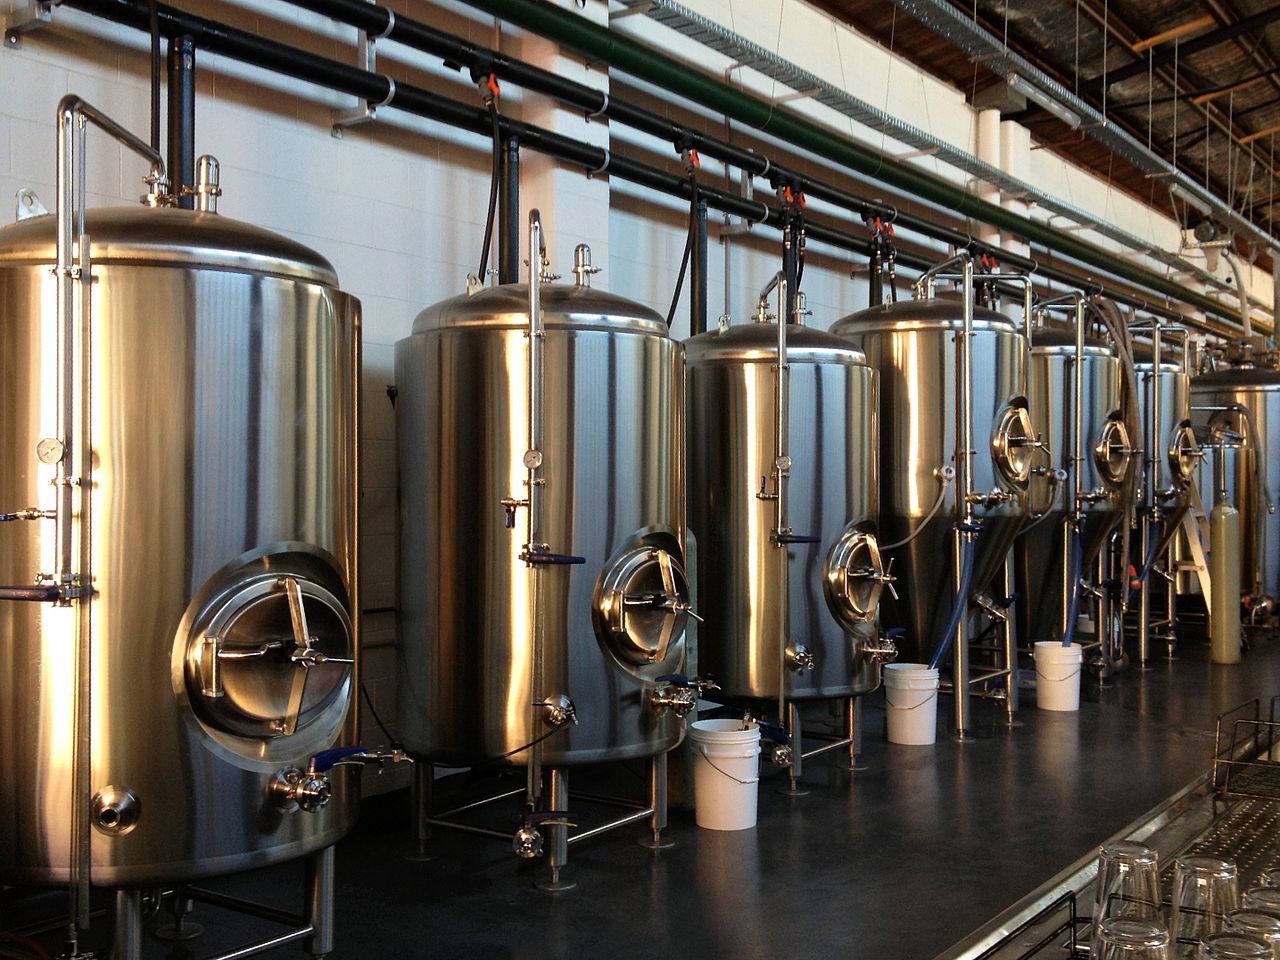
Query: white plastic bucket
911, 703
1058, 675
726, 773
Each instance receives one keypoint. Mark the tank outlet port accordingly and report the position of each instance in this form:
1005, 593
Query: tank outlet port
560, 711
294, 789
679, 694
115, 810
799, 657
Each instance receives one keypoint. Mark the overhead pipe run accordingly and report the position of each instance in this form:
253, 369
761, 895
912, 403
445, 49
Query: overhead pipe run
620, 52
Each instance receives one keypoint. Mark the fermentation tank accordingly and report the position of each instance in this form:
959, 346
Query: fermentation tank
1241, 400
833, 562
215, 392
542, 527
1045, 551
913, 346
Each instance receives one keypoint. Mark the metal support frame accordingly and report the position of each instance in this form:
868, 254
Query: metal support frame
366, 59
698, 272
315, 929
557, 832
30, 16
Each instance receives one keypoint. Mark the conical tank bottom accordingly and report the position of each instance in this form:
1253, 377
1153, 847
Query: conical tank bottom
1039, 558
925, 573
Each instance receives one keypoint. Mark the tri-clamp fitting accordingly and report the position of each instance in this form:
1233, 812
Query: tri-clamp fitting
560, 711
799, 657
310, 790
992, 498
881, 649
679, 694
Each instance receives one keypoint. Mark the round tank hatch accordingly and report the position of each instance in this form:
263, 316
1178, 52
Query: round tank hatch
855, 578
270, 658
1013, 443
1184, 454
642, 605
1113, 452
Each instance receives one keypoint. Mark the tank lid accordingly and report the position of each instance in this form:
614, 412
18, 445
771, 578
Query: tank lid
944, 312
759, 341
163, 236
1057, 340
507, 307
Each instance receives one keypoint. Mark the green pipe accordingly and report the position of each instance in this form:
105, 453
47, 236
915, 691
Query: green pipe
629, 56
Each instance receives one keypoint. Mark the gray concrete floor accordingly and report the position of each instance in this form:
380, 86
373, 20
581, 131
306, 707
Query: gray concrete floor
896, 862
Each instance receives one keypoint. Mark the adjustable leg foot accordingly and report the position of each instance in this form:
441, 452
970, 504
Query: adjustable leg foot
557, 834
796, 742
658, 801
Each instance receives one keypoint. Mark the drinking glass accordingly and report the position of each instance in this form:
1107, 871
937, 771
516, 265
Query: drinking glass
1262, 898
1270, 878
1128, 938
1259, 923
1204, 890
1128, 883
1233, 946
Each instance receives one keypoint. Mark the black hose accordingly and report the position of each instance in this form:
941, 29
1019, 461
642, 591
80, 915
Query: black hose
688, 249
493, 190
153, 17
392, 742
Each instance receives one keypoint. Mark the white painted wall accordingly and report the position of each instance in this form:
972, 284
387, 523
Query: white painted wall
398, 206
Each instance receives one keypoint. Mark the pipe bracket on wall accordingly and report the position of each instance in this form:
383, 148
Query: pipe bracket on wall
30, 16
366, 59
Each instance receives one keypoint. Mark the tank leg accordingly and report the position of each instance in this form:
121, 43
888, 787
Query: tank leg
557, 833
960, 645
1144, 599
853, 733
1171, 606
1009, 640
127, 936
420, 799
320, 902
658, 801
795, 741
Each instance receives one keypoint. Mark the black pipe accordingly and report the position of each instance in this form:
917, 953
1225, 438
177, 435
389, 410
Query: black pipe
34, 594
790, 265
182, 120
698, 276
458, 52
289, 61
509, 213
876, 278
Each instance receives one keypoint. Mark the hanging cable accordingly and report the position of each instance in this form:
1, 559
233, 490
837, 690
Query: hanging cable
489, 91
691, 163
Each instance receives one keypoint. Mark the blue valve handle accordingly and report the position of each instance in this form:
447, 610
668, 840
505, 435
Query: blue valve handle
769, 731
326, 760
796, 538
895, 633
553, 559
675, 679
1010, 600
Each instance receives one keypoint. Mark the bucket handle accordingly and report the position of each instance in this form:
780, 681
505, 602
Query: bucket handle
746, 783
1074, 673
889, 701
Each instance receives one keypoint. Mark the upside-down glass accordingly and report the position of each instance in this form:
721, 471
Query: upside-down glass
1260, 923
1270, 878
1205, 889
1262, 898
1128, 938
1233, 946
1128, 883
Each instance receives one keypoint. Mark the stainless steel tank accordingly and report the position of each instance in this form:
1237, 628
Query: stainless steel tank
1043, 551
605, 588
219, 396
1243, 400
1166, 427
833, 561
912, 345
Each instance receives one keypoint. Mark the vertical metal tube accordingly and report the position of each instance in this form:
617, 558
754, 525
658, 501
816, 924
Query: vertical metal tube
421, 798
126, 936
658, 797
320, 886
964, 532
182, 119
853, 729
558, 833
1009, 636
875, 279
1152, 505
795, 740
356, 466
790, 269
782, 469
533, 482
698, 274
509, 213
